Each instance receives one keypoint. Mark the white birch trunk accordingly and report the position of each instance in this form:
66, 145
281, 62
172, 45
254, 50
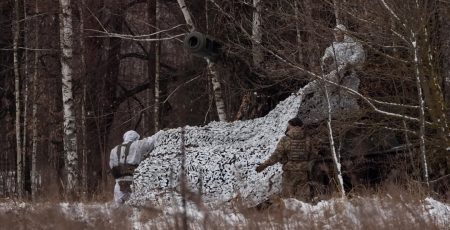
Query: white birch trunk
157, 111
70, 136
25, 83
336, 161
422, 108
33, 171
19, 160
257, 34
83, 103
187, 15
220, 104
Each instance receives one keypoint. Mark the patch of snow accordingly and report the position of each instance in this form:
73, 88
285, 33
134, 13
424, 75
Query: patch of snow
326, 214
438, 211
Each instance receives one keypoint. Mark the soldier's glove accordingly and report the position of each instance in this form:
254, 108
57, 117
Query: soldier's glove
260, 168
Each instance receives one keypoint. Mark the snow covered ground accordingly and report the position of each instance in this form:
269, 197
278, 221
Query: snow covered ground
356, 213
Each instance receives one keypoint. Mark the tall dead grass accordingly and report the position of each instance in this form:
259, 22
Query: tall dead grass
387, 207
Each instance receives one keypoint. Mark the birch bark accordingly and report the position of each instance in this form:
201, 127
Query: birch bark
215, 79
336, 160
70, 135
422, 108
19, 160
220, 104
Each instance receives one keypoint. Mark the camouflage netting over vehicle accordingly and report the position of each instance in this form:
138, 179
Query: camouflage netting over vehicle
220, 160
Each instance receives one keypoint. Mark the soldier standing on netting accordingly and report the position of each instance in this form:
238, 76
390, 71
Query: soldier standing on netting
294, 151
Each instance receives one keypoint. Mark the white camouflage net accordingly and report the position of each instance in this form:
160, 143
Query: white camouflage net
220, 160
221, 157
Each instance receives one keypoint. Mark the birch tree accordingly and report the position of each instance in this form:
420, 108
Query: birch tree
19, 159
422, 108
336, 160
257, 54
212, 68
70, 136
25, 83
411, 38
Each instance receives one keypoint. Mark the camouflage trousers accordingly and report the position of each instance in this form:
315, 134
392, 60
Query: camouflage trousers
295, 184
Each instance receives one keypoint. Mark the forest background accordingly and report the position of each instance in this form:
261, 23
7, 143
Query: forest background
75, 75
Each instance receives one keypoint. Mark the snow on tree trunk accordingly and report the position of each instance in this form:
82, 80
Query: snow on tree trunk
220, 160
70, 136
257, 33
422, 107
220, 104
19, 160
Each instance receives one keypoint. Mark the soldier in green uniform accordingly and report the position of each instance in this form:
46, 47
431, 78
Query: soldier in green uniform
294, 151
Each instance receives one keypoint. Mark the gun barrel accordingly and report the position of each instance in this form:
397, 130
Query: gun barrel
202, 45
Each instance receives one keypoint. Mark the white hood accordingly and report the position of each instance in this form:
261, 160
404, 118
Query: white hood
130, 136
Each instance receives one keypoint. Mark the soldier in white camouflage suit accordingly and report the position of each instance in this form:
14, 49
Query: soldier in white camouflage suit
340, 64
124, 159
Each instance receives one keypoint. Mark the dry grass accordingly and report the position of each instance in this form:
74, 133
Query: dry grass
389, 207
